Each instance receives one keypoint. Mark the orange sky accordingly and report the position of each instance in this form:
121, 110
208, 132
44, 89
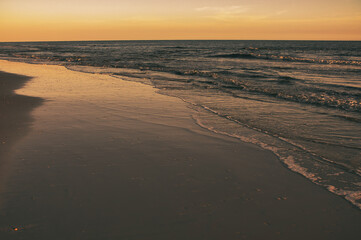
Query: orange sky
47, 20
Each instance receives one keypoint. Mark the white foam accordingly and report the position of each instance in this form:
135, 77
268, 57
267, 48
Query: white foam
351, 196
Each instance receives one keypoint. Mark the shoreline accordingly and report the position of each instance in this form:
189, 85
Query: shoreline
106, 149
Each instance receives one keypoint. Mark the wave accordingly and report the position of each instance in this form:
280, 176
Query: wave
348, 118
236, 55
319, 99
287, 58
286, 80
300, 94
288, 153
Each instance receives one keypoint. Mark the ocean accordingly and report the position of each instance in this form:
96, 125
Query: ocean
299, 99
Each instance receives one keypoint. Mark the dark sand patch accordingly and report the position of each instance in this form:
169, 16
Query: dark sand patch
15, 109
15, 117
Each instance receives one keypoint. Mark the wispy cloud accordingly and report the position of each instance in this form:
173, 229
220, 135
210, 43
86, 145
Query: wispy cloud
281, 12
231, 13
222, 13
229, 9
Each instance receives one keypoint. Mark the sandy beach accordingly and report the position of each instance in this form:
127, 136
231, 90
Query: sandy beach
89, 156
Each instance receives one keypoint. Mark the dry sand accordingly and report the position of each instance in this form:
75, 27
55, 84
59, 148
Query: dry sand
103, 158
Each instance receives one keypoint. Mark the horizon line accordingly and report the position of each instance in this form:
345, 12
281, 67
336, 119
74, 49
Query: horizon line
299, 40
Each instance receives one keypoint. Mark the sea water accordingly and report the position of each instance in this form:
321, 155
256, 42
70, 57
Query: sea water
299, 99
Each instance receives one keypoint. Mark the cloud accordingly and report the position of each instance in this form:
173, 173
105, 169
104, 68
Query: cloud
222, 13
281, 12
229, 9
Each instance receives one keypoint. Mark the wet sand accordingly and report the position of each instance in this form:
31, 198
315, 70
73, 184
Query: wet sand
103, 158
15, 109
15, 118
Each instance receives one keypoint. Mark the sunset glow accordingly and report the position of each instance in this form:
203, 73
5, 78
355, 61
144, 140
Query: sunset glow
41, 20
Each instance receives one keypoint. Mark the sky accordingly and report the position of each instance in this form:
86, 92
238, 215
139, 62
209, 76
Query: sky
69, 20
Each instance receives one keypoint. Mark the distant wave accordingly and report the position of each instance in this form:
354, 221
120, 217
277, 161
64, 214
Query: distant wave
287, 80
236, 55
287, 58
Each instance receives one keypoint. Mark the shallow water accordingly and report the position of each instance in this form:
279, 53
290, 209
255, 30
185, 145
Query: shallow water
300, 99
